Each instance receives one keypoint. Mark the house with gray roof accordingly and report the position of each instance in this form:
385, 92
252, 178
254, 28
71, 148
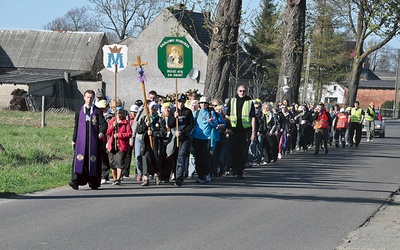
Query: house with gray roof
57, 65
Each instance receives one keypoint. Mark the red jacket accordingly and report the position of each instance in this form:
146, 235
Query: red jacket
124, 133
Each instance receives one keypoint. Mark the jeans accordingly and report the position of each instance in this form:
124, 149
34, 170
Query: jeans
370, 125
183, 159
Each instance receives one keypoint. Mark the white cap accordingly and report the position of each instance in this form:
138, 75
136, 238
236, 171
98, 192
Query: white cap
134, 108
342, 110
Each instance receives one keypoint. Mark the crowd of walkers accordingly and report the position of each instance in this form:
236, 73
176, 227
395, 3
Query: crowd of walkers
194, 137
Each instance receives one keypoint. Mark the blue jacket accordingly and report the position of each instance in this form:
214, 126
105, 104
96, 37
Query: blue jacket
203, 125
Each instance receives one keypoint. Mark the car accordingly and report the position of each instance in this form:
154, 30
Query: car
379, 126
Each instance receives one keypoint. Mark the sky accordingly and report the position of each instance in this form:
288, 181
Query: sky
33, 14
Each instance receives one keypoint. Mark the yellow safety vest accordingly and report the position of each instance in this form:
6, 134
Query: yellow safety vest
356, 115
368, 117
246, 120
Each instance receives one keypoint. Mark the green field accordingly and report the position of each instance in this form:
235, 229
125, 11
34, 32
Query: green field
35, 158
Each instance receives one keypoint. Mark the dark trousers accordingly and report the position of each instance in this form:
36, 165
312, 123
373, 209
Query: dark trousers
202, 157
183, 159
355, 126
340, 133
105, 163
267, 148
321, 134
273, 143
239, 143
128, 160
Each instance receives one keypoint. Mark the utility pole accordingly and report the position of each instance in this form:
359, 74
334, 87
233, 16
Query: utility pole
396, 84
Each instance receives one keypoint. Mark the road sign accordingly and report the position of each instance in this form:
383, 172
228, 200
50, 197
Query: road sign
115, 54
175, 57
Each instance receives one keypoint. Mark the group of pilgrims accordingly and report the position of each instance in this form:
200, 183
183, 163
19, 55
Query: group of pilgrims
187, 136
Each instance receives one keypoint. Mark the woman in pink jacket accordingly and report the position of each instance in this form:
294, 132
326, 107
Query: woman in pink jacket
118, 133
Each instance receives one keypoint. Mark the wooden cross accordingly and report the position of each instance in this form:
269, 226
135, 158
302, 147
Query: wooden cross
140, 64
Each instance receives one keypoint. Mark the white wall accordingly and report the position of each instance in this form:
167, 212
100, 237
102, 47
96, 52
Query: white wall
5, 93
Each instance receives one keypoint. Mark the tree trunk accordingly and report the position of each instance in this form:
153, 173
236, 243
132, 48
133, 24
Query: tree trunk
356, 70
222, 48
293, 49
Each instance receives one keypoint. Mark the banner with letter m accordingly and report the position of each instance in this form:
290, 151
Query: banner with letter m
115, 57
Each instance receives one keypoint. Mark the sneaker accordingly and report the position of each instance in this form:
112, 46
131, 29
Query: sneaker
103, 181
279, 156
199, 180
208, 178
368, 140
371, 140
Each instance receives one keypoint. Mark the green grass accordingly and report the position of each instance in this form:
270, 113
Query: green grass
35, 158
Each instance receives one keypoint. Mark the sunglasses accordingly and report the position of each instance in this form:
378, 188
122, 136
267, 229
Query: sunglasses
242, 91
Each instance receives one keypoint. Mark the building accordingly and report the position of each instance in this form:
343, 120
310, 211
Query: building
170, 22
56, 65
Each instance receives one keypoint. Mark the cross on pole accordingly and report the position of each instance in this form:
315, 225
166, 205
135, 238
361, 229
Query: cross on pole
140, 64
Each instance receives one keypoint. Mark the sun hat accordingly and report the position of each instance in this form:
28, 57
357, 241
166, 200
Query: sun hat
203, 99
101, 104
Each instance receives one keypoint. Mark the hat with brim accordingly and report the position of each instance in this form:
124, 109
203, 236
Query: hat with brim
203, 99
101, 104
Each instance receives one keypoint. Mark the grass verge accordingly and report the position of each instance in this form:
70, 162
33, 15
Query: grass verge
35, 158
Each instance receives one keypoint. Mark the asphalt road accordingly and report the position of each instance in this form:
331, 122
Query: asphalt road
300, 202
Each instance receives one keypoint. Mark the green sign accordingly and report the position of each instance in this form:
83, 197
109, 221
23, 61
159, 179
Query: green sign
175, 57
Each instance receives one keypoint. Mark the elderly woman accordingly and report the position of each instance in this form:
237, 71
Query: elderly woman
155, 130
119, 132
205, 120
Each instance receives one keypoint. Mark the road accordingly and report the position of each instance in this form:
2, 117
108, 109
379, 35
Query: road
300, 202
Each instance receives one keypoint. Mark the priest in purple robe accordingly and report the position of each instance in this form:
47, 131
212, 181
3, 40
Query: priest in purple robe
90, 128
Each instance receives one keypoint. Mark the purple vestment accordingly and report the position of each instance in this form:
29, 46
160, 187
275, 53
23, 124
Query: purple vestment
83, 141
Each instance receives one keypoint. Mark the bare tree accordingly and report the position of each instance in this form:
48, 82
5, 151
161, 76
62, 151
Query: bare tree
293, 48
126, 17
76, 19
367, 18
222, 48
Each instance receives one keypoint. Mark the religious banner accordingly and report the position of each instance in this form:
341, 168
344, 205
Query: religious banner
115, 57
175, 57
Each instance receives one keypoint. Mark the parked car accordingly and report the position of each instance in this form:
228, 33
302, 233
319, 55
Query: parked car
379, 126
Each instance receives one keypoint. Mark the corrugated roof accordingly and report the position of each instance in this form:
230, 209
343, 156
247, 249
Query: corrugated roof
72, 51
31, 76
